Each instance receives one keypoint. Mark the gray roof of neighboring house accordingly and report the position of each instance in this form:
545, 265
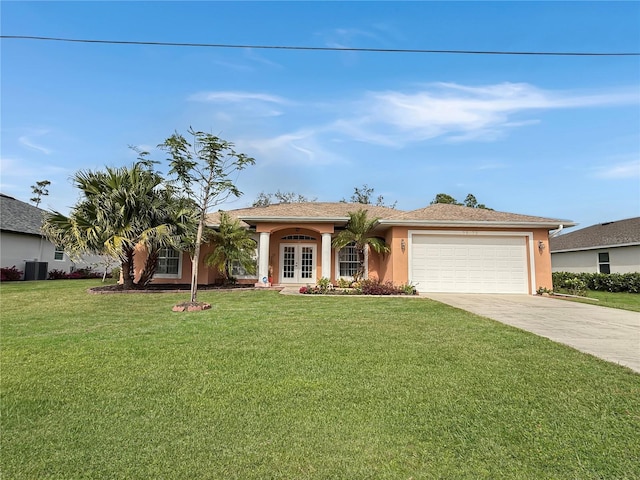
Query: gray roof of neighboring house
437, 214
19, 217
608, 234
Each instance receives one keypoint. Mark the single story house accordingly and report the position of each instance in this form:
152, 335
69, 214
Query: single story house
439, 248
23, 246
610, 247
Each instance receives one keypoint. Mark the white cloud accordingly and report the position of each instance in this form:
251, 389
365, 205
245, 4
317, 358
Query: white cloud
622, 170
27, 141
310, 131
236, 97
291, 148
458, 112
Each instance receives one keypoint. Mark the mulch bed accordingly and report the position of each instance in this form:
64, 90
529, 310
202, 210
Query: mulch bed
164, 288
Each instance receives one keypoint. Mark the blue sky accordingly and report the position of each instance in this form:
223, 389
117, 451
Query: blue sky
549, 136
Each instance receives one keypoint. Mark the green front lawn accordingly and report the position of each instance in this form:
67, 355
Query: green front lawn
271, 386
622, 300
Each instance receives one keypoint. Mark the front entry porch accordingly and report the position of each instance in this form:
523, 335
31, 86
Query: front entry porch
289, 255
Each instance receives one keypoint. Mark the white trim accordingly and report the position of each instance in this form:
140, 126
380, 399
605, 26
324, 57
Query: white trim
172, 275
475, 223
474, 233
337, 265
600, 247
298, 267
253, 276
57, 250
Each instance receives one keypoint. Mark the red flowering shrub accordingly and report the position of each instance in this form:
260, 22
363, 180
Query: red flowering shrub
10, 274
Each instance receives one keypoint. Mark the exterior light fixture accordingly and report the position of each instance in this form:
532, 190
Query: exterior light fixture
541, 246
403, 246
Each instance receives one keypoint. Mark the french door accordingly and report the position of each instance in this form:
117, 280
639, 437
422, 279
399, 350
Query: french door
297, 263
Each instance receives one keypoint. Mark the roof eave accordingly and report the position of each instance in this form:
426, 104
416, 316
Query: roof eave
248, 219
475, 223
597, 247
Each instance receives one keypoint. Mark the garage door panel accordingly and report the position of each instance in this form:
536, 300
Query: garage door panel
469, 263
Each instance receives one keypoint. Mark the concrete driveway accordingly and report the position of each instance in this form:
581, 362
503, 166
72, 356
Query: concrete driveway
607, 333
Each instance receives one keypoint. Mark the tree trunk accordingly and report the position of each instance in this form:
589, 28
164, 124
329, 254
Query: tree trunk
195, 261
196, 252
127, 269
150, 267
361, 268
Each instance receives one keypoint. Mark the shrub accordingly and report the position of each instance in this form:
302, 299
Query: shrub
115, 273
408, 289
376, 287
84, 273
324, 284
364, 287
614, 282
10, 274
344, 283
57, 274
575, 286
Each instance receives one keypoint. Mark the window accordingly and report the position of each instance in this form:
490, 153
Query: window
169, 263
238, 271
348, 263
298, 237
58, 253
603, 262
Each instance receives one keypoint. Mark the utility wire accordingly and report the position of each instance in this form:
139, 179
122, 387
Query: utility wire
326, 49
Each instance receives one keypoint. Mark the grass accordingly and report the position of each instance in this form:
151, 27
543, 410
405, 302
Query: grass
307, 387
621, 300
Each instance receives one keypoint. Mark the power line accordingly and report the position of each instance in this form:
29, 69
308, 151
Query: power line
326, 49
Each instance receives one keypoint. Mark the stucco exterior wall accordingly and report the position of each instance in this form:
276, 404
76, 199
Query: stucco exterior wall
621, 260
206, 275
396, 268
16, 249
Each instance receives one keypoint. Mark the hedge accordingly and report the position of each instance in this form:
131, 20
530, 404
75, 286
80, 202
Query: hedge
605, 282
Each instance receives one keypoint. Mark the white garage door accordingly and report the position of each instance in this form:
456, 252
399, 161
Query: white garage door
469, 264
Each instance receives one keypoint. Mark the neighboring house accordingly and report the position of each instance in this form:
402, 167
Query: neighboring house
611, 247
440, 248
23, 246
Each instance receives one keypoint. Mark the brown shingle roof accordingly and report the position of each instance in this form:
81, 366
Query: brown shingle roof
437, 214
608, 234
310, 211
459, 213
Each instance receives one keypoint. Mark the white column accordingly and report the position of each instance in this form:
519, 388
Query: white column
263, 260
366, 261
326, 255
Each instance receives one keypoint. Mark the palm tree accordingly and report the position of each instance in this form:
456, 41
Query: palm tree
233, 244
121, 208
359, 232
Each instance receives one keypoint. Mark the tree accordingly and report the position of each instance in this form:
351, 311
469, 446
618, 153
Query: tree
469, 201
121, 208
202, 170
444, 198
359, 231
364, 195
233, 244
40, 190
266, 199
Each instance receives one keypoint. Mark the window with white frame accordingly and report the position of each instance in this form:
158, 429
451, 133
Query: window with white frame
169, 263
238, 271
348, 263
603, 262
58, 253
